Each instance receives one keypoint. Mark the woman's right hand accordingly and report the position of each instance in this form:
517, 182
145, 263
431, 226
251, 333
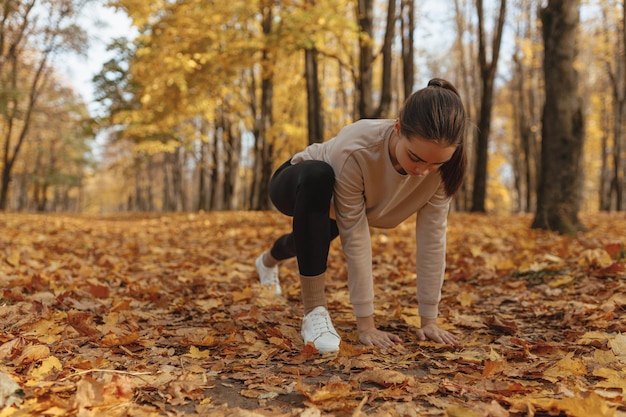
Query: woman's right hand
369, 335
378, 338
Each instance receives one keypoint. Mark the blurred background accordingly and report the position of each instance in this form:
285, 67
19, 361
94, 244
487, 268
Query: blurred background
189, 105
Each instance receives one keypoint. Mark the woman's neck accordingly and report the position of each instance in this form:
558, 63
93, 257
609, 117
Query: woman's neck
393, 141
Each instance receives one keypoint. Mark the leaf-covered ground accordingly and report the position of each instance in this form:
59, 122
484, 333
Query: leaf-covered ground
143, 315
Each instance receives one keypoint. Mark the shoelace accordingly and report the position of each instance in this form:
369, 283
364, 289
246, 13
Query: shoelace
321, 323
272, 275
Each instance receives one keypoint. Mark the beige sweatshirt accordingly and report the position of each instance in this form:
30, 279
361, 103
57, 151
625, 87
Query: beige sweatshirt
370, 192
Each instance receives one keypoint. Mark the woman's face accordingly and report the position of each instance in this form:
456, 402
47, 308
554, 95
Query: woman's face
419, 156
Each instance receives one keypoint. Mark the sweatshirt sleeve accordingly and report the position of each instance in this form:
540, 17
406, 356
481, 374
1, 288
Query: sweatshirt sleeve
353, 227
430, 232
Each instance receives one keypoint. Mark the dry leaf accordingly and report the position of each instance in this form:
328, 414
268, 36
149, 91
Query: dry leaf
384, 377
33, 353
163, 313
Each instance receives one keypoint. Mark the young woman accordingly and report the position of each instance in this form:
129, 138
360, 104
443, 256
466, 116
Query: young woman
374, 173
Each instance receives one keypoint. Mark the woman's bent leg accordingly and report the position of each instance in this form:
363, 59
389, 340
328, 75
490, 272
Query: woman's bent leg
304, 191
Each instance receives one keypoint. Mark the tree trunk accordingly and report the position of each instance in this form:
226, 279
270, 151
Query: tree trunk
558, 196
179, 179
604, 192
263, 147
315, 115
622, 184
620, 117
526, 117
169, 199
465, 70
408, 46
611, 176
365, 16
214, 174
203, 168
364, 82
487, 76
232, 151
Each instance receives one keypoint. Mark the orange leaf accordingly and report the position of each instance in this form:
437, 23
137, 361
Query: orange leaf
82, 322
112, 339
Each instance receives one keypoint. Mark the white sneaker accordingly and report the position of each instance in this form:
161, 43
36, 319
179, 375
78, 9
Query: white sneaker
317, 328
268, 276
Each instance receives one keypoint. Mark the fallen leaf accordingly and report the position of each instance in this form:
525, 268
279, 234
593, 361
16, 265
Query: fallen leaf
458, 411
47, 365
618, 345
591, 405
196, 353
113, 339
32, 353
612, 379
566, 366
83, 323
384, 377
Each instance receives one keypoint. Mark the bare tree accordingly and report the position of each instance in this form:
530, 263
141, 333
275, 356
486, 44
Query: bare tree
527, 99
263, 146
488, 69
558, 196
315, 117
367, 56
466, 73
613, 182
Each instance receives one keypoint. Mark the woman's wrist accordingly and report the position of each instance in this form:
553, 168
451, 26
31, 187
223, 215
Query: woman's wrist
365, 323
425, 321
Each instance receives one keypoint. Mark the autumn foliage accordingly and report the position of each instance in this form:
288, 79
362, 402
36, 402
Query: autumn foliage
140, 315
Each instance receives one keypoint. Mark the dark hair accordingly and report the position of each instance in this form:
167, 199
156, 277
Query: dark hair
436, 113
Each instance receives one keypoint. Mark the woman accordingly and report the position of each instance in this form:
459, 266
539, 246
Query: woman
374, 173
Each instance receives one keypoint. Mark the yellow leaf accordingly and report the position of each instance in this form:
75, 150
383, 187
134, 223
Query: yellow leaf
590, 337
604, 357
238, 296
566, 366
47, 365
414, 321
613, 379
458, 411
33, 353
46, 331
591, 406
13, 258
494, 355
332, 391
595, 258
112, 339
560, 280
618, 345
196, 353
466, 299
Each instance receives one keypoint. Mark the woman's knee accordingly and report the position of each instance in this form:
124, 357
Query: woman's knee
308, 182
317, 176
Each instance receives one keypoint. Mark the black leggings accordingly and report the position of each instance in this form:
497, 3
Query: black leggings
303, 191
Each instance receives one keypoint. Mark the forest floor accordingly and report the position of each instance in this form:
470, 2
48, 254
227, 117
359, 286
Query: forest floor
162, 315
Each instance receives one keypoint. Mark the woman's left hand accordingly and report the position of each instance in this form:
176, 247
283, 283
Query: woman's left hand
432, 332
